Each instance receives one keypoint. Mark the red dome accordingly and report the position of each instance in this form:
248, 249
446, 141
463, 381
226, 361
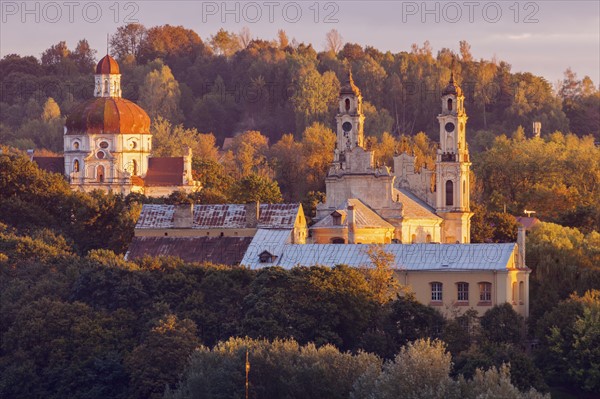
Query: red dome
107, 66
112, 115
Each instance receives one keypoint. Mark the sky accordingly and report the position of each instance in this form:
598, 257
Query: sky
541, 37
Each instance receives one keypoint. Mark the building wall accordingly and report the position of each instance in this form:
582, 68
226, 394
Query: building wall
325, 235
376, 191
501, 283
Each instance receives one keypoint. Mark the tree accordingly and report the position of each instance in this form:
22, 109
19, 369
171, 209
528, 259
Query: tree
225, 43
282, 39
158, 361
420, 370
56, 54
333, 41
51, 110
380, 274
318, 143
128, 40
160, 94
84, 56
169, 43
245, 37
253, 188
501, 324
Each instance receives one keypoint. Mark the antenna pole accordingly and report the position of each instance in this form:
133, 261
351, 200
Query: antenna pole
107, 44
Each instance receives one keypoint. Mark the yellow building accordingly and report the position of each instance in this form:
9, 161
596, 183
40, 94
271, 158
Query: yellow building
450, 277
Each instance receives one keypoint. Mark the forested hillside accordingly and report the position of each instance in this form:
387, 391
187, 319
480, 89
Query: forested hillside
228, 83
78, 321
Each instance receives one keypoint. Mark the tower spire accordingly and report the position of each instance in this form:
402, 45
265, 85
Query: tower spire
107, 35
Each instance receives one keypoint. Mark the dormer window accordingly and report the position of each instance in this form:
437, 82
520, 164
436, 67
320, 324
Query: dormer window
337, 218
266, 257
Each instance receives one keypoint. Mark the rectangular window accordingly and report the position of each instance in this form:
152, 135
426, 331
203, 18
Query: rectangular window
436, 292
463, 292
485, 292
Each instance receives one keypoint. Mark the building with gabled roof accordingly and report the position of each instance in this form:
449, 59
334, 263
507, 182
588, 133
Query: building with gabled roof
219, 233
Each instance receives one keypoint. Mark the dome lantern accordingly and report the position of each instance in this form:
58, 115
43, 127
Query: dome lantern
108, 78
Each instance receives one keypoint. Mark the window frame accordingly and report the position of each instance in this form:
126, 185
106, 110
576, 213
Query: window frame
485, 293
437, 292
462, 292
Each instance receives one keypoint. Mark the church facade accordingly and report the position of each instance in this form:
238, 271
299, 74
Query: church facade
368, 203
108, 145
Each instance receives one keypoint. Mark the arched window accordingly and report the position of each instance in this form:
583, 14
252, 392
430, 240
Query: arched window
134, 168
413, 239
76, 166
428, 238
449, 104
76, 145
100, 174
105, 86
464, 187
449, 193
338, 240
347, 104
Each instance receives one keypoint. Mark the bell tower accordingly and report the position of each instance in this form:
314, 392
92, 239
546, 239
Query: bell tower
350, 119
453, 167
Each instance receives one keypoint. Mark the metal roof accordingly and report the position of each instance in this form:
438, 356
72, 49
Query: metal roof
413, 206
365, 217
270, 240
229, 216
424, 257
218, 250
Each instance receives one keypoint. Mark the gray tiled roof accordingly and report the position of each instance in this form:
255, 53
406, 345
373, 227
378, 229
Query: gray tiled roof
274, 216
406, 256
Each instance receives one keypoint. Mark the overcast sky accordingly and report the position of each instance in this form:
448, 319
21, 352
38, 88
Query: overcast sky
542, 37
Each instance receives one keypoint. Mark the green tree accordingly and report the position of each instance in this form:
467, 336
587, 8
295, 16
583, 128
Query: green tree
160, 359
160, 95
255, 188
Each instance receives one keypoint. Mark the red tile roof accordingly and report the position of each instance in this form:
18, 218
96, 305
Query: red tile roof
112, 115
51, 164
219, 250
165, 171
232, 216
107, 65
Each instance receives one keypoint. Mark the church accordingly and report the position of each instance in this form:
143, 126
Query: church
368, 203
420, 218
108, 145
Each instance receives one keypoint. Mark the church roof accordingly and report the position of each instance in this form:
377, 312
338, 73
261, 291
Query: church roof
364, 217
413, 207
412, 257
51, 164
107, 66
348, 86
219, 250
165, 171
452, 88
229, 216
110, 115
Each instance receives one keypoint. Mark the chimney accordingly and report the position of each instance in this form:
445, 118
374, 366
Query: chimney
351, 225
521, 244
252, 213
183, 216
